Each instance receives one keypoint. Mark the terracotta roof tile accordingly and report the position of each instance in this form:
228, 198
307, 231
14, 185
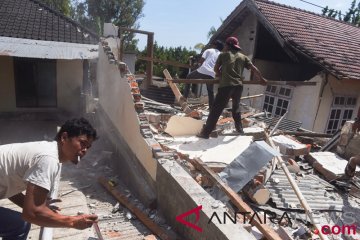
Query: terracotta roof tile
32, 20
336, 42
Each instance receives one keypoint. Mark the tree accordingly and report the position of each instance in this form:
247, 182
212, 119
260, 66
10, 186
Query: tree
178, 54
351, 16
63, 6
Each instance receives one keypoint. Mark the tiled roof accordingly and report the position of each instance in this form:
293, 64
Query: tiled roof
332, 44
31, 19
328, 41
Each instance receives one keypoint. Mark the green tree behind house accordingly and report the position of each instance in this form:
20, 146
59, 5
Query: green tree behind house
351, 16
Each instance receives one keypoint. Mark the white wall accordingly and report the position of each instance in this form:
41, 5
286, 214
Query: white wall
69, 78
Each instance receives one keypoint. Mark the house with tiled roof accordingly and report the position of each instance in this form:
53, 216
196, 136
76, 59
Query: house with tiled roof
291, 44
44, 59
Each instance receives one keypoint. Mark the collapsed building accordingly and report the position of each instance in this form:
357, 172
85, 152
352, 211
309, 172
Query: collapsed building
238, 186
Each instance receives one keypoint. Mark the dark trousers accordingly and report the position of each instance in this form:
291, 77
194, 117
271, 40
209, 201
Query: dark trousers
210, 87
221, 100
12, 226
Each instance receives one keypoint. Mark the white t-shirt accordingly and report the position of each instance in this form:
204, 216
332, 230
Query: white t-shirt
35, 162
210, 55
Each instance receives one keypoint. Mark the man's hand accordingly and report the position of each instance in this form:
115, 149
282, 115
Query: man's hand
84, 221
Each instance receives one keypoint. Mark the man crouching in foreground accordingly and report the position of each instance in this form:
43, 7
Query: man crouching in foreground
35, 167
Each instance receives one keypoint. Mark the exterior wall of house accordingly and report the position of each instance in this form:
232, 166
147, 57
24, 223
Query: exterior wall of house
69, 83
7, 85
69, 75
116, 100
334, 87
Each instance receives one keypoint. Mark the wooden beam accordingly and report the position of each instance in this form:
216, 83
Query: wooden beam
134, 30
265, 229
246, 82
172, 63
305, 134
179, 97
154, 228
150, 54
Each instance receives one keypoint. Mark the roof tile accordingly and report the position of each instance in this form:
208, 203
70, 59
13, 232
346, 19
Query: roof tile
320, 37
32, 20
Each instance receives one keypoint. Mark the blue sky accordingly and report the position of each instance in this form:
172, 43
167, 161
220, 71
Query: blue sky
187, 22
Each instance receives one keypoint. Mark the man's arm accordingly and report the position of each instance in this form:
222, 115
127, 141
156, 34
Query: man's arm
257, 74
35, 210
217, 70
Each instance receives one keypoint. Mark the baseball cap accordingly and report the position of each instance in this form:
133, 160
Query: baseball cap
232, 41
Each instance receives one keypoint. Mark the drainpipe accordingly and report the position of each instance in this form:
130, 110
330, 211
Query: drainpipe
321, 95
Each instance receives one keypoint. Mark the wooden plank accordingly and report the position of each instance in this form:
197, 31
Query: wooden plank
268, 232
172, 63
295, 187
305, 134
179, 97
138, 213
246, 82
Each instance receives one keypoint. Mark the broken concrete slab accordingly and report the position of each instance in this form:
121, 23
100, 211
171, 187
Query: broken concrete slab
330, 165
183, 126
289, 146
240, 171
213, 149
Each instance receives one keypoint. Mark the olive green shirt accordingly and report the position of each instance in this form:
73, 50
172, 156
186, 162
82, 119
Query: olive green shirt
232, 64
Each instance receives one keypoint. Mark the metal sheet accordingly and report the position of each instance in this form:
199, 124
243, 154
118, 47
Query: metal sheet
27, 48
240, 171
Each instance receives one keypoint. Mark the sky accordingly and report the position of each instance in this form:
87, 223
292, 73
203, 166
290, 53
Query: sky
187, 22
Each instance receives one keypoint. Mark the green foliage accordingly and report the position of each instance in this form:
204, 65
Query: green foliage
63, 6
178, 54
125, 13
351, 16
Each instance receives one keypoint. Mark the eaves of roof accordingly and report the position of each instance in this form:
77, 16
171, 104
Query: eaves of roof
329, 43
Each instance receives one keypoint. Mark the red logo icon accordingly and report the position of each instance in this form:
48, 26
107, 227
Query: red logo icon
181, 218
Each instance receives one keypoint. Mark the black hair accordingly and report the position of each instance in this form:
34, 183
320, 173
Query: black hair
219, 45
76, 127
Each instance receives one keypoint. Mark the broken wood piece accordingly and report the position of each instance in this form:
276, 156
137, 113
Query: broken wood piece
179, 97
304, 134
265, 229
138, 213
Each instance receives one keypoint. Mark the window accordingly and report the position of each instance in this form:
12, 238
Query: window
35, 82
341, 111
277, 100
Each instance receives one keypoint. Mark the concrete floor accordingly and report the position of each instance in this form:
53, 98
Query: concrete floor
93, 198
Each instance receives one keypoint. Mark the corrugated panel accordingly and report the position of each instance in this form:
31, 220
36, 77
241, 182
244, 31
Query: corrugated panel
17, 47
285, 125
312, 187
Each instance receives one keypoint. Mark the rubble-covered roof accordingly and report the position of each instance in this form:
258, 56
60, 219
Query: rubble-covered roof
330, 43
31, 19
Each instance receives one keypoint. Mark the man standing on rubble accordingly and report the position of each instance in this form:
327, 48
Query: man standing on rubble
229, 67
206, 70
35, 167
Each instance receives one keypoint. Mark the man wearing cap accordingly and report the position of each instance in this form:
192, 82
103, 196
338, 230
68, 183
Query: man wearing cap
206, 70
229, 67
